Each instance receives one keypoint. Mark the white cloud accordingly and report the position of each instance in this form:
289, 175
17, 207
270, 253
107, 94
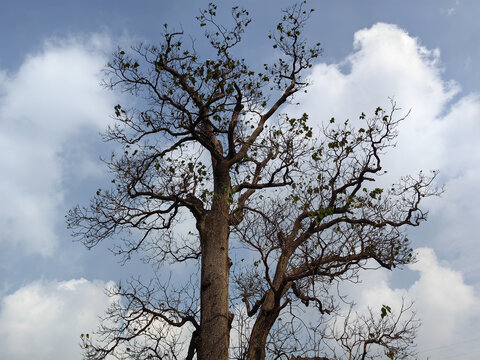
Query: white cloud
53, 96
446, 305
43, 320
440, 133
387, 62
442, 298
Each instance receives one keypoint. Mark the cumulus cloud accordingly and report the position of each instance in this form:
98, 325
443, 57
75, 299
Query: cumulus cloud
44, 319
53, 96
440, 133
387, 62
443, 298
446, 305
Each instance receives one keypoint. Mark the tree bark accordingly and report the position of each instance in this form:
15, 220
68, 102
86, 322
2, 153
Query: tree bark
261, 329
269, 311
214, 233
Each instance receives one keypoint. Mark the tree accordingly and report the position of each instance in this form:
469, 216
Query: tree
208, 141
359, 339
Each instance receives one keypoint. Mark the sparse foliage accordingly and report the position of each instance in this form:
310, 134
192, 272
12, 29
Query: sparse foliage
370, 336
294, 206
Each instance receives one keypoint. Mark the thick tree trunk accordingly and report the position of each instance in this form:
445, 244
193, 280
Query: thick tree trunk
265, 320
214, 314
268, 313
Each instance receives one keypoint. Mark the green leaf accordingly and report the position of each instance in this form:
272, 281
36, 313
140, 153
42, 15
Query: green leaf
385, 310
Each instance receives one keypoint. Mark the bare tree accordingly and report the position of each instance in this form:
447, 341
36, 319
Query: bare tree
208, 142
370, 337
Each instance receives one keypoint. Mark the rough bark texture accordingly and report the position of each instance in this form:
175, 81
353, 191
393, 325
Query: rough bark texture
214, 291
214, 234
261, 329
269, 312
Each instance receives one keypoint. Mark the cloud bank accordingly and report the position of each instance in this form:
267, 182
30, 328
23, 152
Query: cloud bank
440, 133
53, 96
448, 308
43, 320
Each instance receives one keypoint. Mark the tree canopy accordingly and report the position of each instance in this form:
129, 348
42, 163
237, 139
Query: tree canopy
283, 211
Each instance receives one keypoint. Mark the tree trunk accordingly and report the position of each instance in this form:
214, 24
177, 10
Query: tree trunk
262, 327
214, 314
269, 312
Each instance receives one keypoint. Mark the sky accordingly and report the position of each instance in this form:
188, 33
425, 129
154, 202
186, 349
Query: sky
52, 109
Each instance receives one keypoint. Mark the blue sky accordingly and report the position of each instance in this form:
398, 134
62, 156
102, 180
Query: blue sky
425, 54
